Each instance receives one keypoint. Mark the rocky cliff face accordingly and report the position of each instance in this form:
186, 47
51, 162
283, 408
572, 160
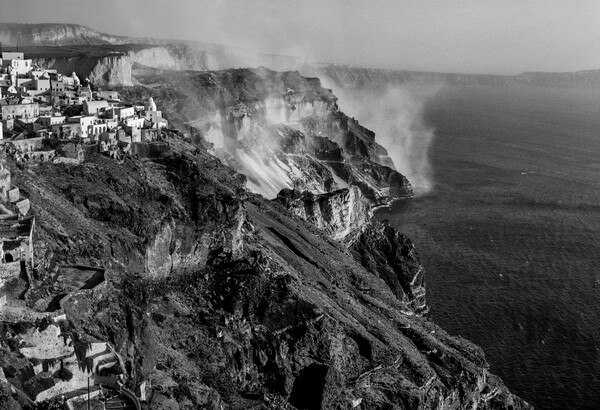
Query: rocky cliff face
104, 67
167, 54
223, 299
196, 55
282, 130
392, 256
178, 57
347, 76
346, 216
343, 215
112, 71
50, 34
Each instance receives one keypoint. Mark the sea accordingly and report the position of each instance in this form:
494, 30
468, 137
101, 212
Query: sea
510, 234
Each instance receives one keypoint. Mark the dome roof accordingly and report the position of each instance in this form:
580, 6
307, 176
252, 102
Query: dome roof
150, 104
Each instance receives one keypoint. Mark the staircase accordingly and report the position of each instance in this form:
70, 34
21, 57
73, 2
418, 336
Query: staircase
101, 358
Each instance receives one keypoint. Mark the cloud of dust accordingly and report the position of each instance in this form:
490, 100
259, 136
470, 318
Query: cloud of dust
396, 115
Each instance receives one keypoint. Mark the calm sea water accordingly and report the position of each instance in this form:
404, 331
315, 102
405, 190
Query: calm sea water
510, 236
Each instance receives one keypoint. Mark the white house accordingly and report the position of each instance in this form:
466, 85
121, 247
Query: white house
95, 107
21, 67
135, 122
86, 123
24, 111
49, 120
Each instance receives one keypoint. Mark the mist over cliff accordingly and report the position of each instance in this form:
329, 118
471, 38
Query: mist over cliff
177, 54
388, 101
243, 267
395, 113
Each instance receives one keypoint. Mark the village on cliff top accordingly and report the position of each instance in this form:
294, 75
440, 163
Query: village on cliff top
46, 116
51, 116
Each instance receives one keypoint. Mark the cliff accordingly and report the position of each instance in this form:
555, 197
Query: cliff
59, 40
346, 216
281, 130
182, 56
220, 297
343, 215
196, 55
348, 76
53, 34
104, 66
223, 299
170, 54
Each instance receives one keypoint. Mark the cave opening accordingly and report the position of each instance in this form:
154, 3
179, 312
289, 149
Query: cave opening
307, 392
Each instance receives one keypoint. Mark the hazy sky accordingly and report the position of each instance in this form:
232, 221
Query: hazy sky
503, 36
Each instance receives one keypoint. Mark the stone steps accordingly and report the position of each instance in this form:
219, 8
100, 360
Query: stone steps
103, 360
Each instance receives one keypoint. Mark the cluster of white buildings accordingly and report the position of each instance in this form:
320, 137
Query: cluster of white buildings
38, 105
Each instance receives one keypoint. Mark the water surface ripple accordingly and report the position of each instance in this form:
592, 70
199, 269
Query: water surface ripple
510, 236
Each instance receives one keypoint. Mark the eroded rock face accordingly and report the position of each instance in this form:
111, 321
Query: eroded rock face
53, 34
189, 55
346, 216
135, 216
392, 256
221, 298
353, 138
112, 72
343, 214
282, 130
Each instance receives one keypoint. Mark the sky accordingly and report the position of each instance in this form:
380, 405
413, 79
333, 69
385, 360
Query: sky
468, 36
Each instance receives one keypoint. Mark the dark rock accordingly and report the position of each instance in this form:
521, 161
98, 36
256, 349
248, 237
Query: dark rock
222, 298
392, 256
281, 130
342, 214
6, 398
37, 384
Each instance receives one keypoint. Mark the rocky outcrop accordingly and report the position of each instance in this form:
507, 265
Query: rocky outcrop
347, 76
357, 142
282, 130
170, 54
171, 57
392, 256
194, 55
112, 72
49, 34
351, 151
104, 69
183, 56
343, 214
219, 298
6, 400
